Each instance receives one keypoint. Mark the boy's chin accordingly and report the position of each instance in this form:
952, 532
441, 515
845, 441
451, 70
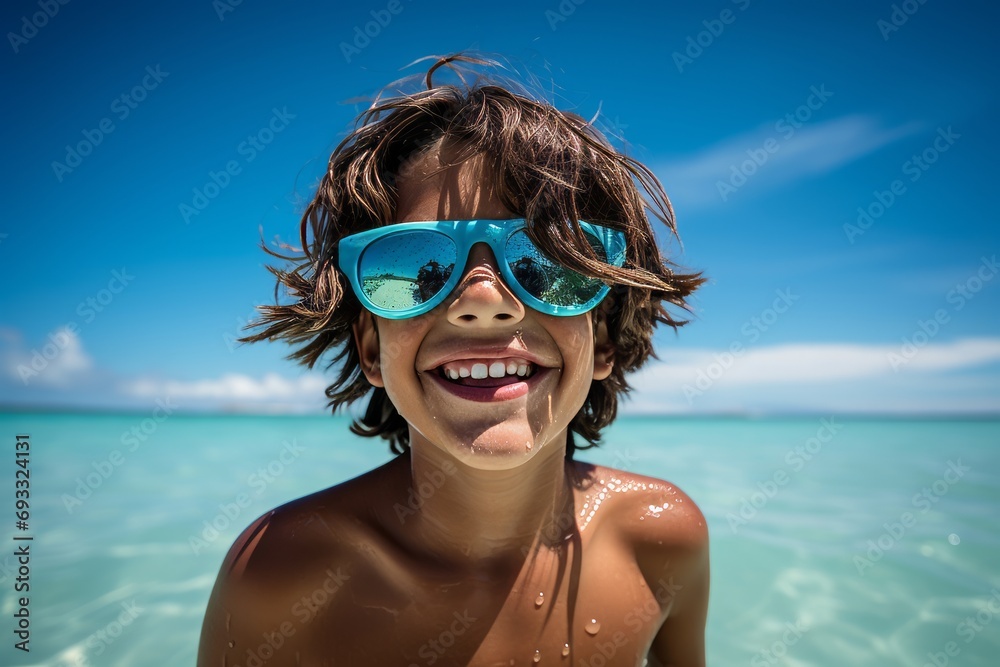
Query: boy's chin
499, 447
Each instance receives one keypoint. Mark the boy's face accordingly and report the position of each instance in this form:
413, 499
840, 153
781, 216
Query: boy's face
480, 323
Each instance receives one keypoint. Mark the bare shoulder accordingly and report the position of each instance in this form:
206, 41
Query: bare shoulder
308, 532
287, 565
649, 511
667, 534
658, 522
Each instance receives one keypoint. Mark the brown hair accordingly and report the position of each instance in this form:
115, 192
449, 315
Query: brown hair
551, 167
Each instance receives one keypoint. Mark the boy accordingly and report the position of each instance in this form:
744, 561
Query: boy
485, 269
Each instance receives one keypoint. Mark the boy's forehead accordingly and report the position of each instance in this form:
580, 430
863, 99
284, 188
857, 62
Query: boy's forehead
432, 188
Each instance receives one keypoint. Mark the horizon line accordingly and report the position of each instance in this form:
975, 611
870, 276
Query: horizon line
708, 414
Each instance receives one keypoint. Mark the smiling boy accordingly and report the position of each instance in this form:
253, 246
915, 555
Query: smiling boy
484, 266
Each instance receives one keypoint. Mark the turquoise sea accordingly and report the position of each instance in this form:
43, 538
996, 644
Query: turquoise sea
878, 541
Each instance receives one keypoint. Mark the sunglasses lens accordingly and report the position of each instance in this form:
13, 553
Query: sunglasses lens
406, 269
547, 281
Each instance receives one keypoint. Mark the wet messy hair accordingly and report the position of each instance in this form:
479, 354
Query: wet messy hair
551, 167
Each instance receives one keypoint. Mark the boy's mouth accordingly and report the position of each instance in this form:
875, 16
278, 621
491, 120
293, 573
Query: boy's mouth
486, 372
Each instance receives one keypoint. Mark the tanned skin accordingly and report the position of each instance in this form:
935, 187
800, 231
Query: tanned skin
482, 545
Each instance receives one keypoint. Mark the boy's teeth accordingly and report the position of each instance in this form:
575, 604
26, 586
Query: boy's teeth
490, 369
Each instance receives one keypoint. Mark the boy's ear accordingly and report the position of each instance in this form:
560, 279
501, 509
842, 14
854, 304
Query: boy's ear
604, 351
366, 338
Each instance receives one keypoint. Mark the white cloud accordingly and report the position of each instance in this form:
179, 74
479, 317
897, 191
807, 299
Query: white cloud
822, 362
58, 371
944, 377
934, 376
964, 353
819, 362
234, 387
58, 361
813, 149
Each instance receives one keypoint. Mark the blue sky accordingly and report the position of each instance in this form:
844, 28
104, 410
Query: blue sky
770, 123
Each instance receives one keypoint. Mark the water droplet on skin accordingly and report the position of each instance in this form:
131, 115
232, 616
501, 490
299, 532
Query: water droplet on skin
593, 627
540, 600
231, 643
538, 656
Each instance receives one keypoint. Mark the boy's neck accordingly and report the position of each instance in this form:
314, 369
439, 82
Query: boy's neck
485, 521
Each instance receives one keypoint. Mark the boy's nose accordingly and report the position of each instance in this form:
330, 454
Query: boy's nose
482, 298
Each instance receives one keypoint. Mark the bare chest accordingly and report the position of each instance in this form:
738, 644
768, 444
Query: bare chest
585, 603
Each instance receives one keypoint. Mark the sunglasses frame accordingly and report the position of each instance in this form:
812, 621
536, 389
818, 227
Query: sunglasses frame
465, 234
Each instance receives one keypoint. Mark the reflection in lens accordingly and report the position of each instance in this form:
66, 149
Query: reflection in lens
531, 275
406, 269
544, 279
431, 279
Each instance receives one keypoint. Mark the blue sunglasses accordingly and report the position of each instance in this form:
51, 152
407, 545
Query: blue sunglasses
406, 269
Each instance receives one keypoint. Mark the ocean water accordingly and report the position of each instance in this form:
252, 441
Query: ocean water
834, 541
